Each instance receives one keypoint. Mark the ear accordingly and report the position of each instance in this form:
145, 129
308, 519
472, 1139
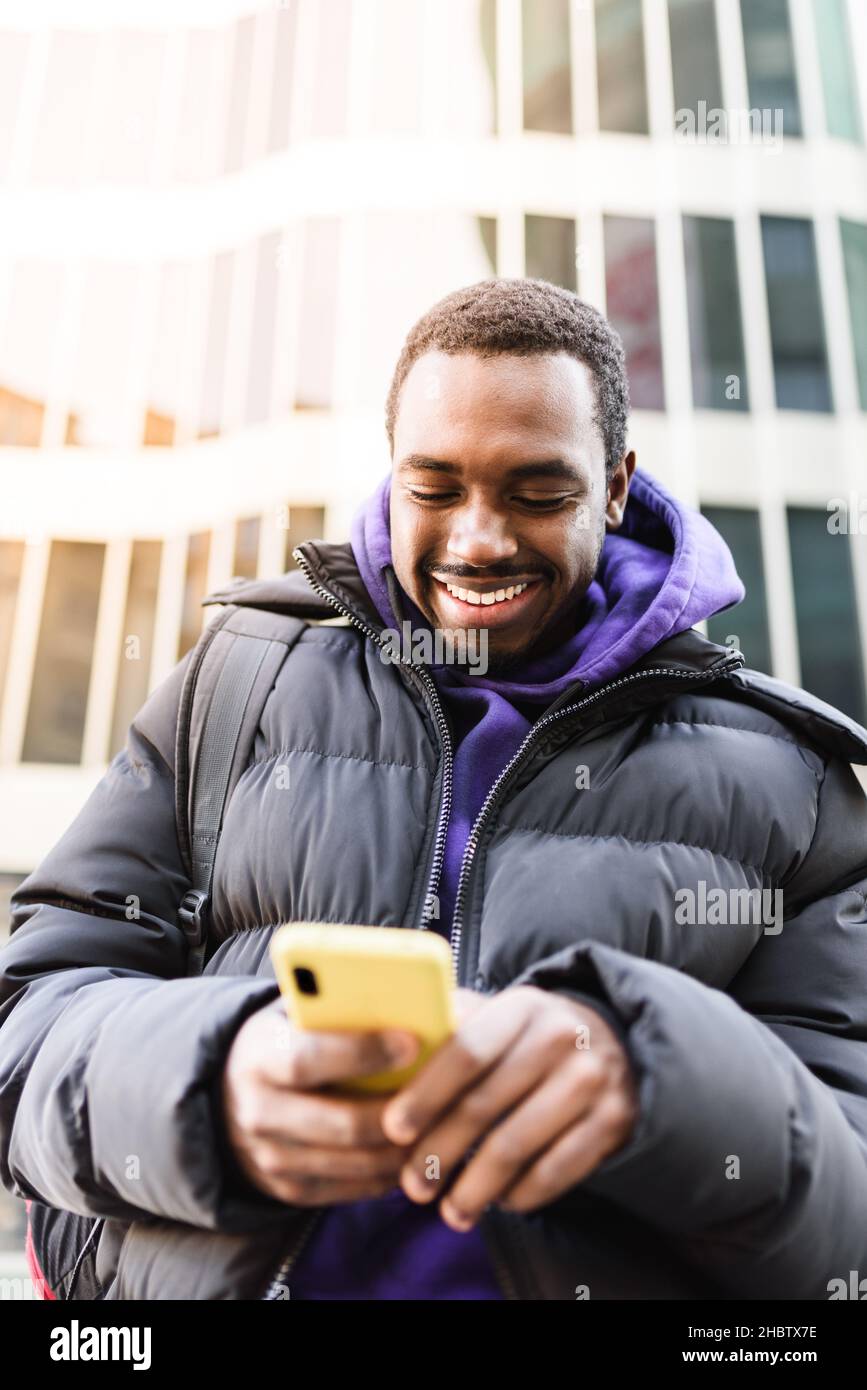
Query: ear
617, 491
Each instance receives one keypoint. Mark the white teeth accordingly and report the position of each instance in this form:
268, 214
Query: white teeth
494, 596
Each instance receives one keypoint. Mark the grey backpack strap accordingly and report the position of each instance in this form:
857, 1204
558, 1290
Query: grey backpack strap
228, 680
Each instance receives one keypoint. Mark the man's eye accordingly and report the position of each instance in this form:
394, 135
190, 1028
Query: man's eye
545, 504
429, 496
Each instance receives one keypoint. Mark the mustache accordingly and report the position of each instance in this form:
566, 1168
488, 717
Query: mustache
444, 572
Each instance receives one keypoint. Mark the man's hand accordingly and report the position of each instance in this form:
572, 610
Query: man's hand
296, 1145
538, 1081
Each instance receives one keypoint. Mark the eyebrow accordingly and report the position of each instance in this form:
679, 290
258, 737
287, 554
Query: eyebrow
541, 468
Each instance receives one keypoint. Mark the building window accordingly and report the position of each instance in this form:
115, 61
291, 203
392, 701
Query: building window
330, 88
260, 368
130, 106
547, 70
64, 654
137, 640
59, 150
20, 419
633, 305
549, 250
300, 524
317, 319
11, 562
167, 355
748, 621
194, 139
13, 65
245, 563
770, 61
838, 73
795, 312
27, 345
195, 583
830, 648
620, 66
715, 330
101, 396
854, 235
285, 39
694, 56
463, 37
411, 260
216, 344
239, 94
394, 73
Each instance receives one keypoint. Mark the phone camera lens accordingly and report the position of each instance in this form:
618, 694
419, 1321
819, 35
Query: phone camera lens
305, 980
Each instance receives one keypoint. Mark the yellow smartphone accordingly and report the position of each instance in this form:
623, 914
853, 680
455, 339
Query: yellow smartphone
348, 978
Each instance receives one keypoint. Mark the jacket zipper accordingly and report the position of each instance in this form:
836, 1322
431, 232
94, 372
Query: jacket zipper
520, 753
280, 1279
442, 725
503, 1272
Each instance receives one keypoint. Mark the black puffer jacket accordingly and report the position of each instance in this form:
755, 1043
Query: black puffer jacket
750, 1045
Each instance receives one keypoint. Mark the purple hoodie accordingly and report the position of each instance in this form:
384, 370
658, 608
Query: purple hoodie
664, 571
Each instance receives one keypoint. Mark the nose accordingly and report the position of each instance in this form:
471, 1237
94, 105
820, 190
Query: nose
480, 536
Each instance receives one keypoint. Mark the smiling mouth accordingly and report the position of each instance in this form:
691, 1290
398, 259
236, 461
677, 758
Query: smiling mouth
485, 597
494, 595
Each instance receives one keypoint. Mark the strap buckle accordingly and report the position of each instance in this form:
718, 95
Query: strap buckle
192, 915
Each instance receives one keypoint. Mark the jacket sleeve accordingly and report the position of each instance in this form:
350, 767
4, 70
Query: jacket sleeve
109, 1055
750, 1150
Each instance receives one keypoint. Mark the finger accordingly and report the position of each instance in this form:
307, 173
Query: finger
322, 1120
472, 1051
439, 1151
466, 1003
568, 1161
514, 1143
307, 1059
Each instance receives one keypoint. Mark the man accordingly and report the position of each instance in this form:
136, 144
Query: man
658, 1087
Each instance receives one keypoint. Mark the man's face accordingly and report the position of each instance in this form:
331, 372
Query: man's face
499, 483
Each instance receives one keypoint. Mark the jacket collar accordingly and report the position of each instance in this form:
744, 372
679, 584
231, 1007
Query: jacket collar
332, 565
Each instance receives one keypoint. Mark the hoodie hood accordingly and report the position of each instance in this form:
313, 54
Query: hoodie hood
662, 572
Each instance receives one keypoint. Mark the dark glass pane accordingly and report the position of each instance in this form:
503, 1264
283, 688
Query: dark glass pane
771, 61
633, 305
137, 644
193, 614
488, 234
831, 661
549, 250
11, 561
301, 524
694, 56
854, 236
748, 621
715, 330
547, 69
795, 312
838, 73
64, 654
246, 561
620, 66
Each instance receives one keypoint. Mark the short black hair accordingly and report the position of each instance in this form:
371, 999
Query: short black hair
525, 317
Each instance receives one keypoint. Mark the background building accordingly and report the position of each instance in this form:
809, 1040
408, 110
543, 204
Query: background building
218, 222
